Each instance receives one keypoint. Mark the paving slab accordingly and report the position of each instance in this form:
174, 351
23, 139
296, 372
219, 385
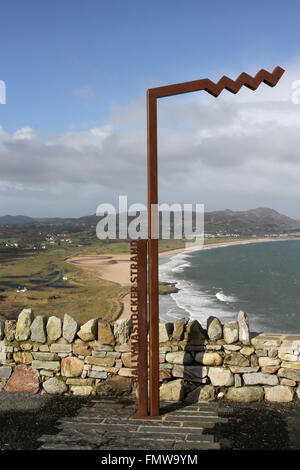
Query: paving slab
106, 426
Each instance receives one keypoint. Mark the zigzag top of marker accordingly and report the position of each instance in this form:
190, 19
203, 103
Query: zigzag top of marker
244, 79
227, 83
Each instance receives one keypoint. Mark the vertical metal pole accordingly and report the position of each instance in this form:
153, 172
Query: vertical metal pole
142, 329
153, 256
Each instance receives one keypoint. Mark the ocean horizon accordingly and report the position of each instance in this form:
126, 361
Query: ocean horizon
262, 278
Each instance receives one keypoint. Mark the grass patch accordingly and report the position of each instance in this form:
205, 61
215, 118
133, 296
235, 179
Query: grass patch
84, 296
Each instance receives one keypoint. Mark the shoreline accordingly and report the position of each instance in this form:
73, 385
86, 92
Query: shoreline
225, 244
115, 268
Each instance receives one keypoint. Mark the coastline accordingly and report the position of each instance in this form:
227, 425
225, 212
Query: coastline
115, 268
225, 244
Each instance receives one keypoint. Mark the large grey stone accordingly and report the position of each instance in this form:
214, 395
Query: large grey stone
208, 358
165, 331
61, 348
54, 328
71, 367
207, 393
55, 386
247, 350
24, 357
47, 365
81, 391
258, 378
189, 372
179, 357
179, 328
214, 328
244, 333
77, 381
38, 329
122, 330
266, 341
88, 331
220, 376
268, 361
45, 356
237, 380
5, 372
290, 365
172, 391
3, 358
231, 332
288, 382
195, 334
105, 333
292, 340
292, 374
288, 357
245, 394
236, 359
70, 328
228, 348
115, 386
280, 394
201, 394
273, 352
23, 325
94, 374
10, 330
213, 347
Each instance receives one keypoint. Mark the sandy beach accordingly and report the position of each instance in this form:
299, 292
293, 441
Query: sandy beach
111, 268
115, 268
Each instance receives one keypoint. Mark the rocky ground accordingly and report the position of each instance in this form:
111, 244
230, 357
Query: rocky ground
25, 418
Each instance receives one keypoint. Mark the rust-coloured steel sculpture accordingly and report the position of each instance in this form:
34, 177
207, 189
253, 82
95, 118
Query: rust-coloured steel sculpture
153, 94
142, 328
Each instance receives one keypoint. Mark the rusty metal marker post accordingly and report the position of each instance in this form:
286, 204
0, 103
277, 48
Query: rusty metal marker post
153, 95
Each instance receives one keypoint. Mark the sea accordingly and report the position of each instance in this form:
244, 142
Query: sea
262, 279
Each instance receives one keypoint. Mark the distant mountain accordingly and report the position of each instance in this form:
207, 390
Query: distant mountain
15, 220
260, 220
254, 221
85, 220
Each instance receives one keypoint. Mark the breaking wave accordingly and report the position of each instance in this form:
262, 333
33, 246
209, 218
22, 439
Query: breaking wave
225, 298
189, 300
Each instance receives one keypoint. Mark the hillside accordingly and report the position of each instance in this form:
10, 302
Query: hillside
258, 221
254, 221
15, 220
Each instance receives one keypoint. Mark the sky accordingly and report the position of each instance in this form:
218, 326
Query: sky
73, 129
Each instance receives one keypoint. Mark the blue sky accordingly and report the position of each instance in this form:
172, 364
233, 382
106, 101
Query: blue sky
76, 74
118, 48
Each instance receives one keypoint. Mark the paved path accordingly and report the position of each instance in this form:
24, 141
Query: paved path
107, 425
64, 422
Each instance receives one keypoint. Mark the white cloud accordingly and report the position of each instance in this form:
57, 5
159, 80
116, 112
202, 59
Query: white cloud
235, 151
93, 138
26, 133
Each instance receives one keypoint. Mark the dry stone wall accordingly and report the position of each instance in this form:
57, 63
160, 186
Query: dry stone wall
50, 355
